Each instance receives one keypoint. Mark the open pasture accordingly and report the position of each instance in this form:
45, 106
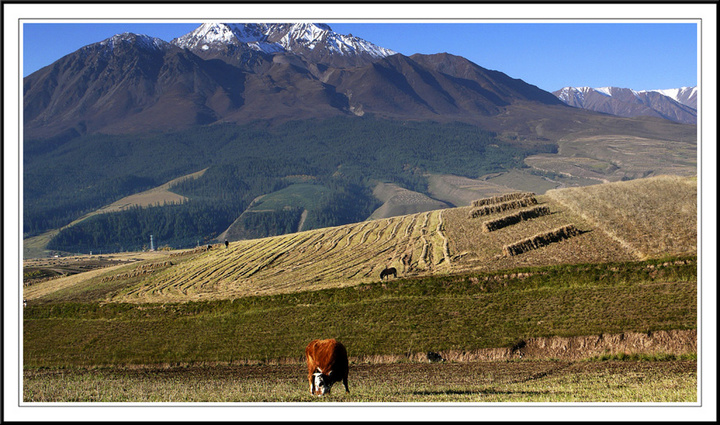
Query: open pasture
179, 325
442, 314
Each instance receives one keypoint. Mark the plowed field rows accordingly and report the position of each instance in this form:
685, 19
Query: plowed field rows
338, 256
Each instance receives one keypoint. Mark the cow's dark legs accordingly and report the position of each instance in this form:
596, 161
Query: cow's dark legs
345, 383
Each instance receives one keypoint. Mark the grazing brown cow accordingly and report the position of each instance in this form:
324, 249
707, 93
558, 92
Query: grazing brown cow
327, 362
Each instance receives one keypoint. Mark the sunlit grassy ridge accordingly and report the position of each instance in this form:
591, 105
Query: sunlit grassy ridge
615, 222
650, 217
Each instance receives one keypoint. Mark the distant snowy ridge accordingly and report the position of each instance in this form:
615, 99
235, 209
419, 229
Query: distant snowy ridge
684, 95
674, 104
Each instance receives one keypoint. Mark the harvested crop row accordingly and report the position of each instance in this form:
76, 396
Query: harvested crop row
505, 206
424, 261
511, 219
502, 198
367, 232
339, 262
355, 233
445, 247
540, 240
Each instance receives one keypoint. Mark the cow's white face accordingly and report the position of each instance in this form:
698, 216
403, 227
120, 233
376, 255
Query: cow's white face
322, 384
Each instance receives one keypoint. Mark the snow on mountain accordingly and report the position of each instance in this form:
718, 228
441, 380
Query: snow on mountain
311, 35
273, 38
673, 104
213, 35
685, 95
572, 95
603, 90
140, 40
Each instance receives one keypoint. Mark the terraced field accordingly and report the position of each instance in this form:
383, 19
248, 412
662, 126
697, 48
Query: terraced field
445, 241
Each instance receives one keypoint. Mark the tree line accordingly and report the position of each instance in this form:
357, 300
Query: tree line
64, 180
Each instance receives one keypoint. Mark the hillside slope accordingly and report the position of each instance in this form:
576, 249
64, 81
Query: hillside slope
561, 228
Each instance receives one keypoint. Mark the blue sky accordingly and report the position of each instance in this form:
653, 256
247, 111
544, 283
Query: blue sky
641, 56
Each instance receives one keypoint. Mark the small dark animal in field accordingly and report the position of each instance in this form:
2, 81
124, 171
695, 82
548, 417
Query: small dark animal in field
387, 272
209, 247
434, 357
226, 243
327, 363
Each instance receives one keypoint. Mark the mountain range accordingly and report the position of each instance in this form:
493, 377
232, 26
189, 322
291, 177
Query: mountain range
240, 73
297, 117
678, 105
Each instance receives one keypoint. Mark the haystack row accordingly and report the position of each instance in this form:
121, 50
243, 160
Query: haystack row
540, 240
511, 219
502, 198
505, 206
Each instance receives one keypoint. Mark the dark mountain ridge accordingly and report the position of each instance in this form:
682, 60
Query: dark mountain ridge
133, 83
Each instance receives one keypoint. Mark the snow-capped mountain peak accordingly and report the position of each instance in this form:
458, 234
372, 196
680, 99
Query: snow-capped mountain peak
216, 35
144, 41
273, 38
311, 36
568, 94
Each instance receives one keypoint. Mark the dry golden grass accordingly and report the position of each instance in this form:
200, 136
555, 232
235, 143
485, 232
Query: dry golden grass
400, 201
650, 217
156, 196
331, 257
42, 289
476, 249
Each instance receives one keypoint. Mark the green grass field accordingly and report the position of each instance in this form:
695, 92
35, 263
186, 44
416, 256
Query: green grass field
304, 195
462, 312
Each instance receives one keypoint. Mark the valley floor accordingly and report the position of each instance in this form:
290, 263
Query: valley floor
655, 381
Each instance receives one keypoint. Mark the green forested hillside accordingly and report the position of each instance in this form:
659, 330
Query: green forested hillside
64, 180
